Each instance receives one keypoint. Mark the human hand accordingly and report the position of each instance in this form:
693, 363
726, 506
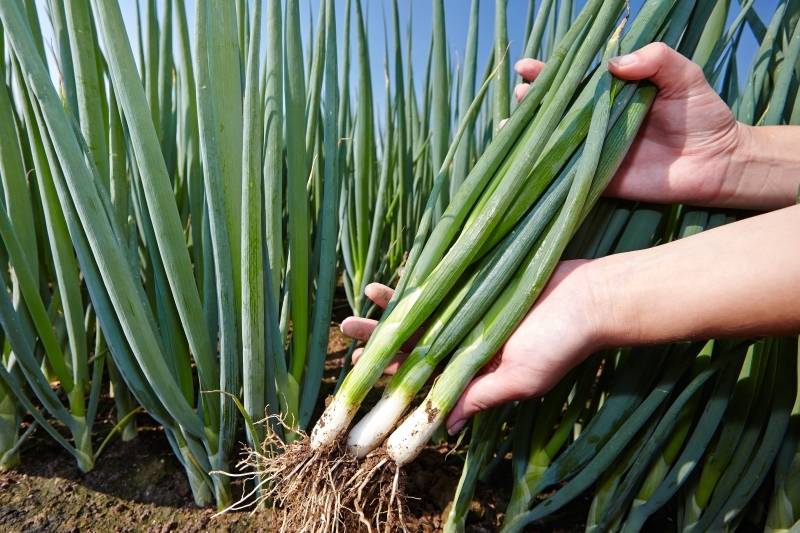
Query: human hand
690, 149
361, 329
558, 333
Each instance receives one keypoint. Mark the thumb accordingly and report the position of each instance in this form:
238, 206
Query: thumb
670, 71
484, 392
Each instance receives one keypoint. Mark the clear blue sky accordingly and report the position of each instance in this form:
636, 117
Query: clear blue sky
457, 18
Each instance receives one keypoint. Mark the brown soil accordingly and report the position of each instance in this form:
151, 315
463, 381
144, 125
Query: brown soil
139, 486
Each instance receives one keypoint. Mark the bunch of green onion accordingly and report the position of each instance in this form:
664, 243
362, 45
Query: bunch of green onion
519, 207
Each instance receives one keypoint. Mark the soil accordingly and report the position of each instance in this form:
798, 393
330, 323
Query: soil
139, 486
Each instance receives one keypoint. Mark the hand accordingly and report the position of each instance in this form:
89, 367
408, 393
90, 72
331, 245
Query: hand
690, 149
557, 334
361, 328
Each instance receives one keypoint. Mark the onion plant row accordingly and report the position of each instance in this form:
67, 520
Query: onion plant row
176, 205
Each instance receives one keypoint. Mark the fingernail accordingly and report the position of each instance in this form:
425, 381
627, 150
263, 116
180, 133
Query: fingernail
502, 123
624, 61
516, 65
455, 428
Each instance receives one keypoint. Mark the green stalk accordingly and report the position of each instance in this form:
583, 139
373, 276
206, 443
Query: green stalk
222, 260
226, 82
549, 44
253, 341
273, 147
500, 93
17, 197
606, 487
315, 86
462, 161
748, 112
712, 33
545, 442
86, 83
741, 400
440, 102
135, 372
640, 33
664, 461
297, 199
479, 448
457, 315
189, 142
58, 19
404, 174
166, 131
329, 228
361, 200
376, 233
534, 38
150, 65
777, 102
784, 510
36, 380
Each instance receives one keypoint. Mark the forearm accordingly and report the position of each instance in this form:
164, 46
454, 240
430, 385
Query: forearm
764, 169
740, 280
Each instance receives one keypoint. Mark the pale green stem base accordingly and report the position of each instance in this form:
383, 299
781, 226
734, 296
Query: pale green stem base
123, 400
199, 480
83, 443
9, 429
222, 482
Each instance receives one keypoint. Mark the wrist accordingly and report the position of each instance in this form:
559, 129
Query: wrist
612, 314
763, 168
604, 306
737, 157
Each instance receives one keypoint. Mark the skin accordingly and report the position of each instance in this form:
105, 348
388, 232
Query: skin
739, 280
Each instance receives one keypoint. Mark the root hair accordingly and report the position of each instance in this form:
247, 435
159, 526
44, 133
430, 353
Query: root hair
325, 491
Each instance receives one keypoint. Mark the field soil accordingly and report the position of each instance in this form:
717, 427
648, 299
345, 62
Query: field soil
139, 486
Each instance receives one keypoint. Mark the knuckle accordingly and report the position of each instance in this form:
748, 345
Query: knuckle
479, 404
662, 48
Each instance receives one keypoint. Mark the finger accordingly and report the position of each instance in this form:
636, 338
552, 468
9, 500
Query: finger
492, 365
393, 365
378, 293
357, 354
485, 392
521, 90
358, 328
670, 71
412, 341
529, 69
361, 329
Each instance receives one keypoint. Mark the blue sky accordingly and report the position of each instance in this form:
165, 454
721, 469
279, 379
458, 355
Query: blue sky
457, 18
